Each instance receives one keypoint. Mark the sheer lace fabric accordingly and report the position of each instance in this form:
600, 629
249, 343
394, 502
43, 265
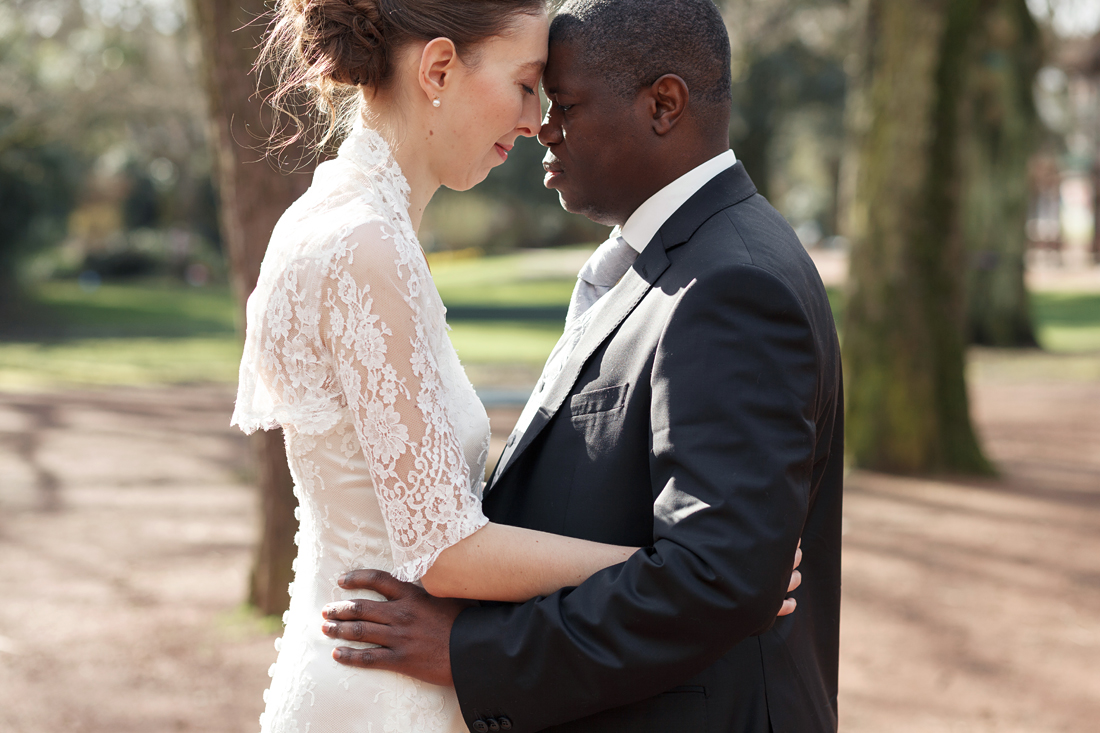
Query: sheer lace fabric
347, 351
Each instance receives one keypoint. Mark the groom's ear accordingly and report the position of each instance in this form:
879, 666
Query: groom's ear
668, 100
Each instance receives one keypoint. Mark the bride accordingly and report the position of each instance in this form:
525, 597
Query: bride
347, 348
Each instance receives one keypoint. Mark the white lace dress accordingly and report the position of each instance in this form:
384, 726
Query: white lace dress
347, 351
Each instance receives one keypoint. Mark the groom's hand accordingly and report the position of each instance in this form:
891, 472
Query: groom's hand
412, 628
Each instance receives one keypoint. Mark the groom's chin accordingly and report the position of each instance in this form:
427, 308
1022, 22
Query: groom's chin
586, 209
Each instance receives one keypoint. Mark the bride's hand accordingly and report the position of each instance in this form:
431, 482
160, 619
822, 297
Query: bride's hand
796, 580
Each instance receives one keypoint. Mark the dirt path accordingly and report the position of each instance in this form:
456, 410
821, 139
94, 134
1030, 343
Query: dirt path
125, 532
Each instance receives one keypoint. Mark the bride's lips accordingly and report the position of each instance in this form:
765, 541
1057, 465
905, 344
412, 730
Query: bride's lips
503, 150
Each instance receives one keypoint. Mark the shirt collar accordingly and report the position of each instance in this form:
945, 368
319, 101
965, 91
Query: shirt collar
644, 223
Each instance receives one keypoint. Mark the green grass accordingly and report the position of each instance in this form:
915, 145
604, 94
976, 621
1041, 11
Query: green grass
506, 342
505, 312
134, 334
506, 281
152, 309
119, 361
1067, 322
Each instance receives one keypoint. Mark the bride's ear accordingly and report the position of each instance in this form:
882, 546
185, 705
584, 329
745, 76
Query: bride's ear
437, 63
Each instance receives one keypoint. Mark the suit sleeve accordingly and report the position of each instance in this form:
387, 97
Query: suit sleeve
734, 384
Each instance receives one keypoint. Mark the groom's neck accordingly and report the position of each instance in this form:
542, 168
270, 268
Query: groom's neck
668, 164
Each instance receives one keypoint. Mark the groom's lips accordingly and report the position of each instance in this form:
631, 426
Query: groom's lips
553, 172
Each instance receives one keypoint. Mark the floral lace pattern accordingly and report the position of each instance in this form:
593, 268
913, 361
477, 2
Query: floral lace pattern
347, 350
342, 320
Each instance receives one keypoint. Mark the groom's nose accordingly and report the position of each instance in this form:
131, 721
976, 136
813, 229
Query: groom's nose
550, 132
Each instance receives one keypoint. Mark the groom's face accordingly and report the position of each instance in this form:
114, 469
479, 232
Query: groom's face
595, 156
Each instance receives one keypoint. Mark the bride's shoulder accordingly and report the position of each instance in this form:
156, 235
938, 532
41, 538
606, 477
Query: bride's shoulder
327, 223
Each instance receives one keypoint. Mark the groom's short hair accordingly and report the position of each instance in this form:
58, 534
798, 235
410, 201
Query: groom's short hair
635, 42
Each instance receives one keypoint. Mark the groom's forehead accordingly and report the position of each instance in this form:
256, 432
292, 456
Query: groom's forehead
565, 70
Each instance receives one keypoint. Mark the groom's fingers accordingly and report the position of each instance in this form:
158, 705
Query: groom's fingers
380, 658
377, 580
360, 609
796, 580
364, 631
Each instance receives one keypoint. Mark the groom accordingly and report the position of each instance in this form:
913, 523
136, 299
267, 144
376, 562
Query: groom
693, 408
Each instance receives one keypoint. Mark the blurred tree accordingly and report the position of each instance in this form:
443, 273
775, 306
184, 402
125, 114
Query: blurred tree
777, 84
101, 120
38, 185
908, 408
39, 171
254, 195
789, 89
1000, 134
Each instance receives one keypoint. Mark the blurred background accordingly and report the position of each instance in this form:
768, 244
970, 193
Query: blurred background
939, 160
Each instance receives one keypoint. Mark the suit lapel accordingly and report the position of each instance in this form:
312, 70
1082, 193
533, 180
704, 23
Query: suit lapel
724, 190
613, 310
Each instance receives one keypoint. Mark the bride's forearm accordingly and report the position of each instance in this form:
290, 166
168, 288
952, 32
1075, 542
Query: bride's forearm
502, 563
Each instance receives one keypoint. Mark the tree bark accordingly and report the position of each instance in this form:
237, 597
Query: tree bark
253, 193
1001, 133
908, 409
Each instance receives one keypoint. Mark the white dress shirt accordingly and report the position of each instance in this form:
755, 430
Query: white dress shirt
638, 230
645, 222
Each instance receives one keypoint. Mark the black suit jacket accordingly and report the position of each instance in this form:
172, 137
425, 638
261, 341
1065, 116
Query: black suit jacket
700, 417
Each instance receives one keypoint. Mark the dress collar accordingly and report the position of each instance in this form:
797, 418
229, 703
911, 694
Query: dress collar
367, 150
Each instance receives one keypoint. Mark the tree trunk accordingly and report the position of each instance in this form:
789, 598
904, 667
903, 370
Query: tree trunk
254, 194
908, 410
1001, 132
1096, 211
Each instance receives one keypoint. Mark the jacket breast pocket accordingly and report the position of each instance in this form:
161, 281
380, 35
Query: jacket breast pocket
598, 401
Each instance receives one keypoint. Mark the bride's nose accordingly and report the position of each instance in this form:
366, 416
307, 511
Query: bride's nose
531, 119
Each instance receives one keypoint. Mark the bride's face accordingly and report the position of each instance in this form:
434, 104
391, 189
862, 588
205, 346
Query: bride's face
485, 107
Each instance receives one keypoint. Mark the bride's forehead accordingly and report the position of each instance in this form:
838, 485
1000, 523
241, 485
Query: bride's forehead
526, 38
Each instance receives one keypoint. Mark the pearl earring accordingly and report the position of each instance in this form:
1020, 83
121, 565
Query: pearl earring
436, 102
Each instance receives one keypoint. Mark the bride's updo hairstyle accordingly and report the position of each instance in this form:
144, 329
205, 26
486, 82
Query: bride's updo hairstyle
322, 51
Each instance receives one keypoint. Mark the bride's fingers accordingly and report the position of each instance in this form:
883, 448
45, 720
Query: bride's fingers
796, 580
376, 580
798, 555
788, 607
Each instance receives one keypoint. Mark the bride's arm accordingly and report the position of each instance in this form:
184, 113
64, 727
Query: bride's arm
503, 563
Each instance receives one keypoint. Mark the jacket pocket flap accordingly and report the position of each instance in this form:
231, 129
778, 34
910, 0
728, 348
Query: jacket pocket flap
598, 400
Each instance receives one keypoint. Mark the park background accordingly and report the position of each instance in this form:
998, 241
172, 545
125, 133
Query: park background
143, 542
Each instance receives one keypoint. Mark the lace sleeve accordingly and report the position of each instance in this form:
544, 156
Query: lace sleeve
374, 327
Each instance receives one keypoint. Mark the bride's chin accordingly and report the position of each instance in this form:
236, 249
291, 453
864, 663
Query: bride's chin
470, 181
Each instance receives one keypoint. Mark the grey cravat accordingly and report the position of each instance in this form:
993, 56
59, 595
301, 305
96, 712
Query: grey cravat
604, 269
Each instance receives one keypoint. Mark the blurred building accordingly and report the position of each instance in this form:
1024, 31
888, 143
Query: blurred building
1066, 175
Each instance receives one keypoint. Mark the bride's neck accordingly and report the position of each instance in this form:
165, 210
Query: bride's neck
408, 144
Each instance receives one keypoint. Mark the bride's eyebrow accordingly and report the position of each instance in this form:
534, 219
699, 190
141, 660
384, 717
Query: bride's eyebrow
534, 66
